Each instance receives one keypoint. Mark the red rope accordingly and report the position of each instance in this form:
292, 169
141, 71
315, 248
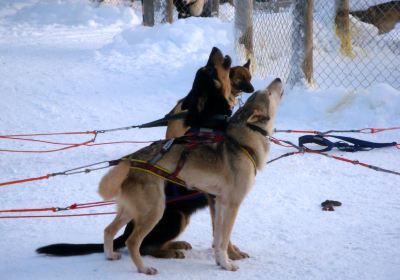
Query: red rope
89, 143
279, 142
58, 216
47, 134
50, 151
377, 130
363, 130
76, 206
25, 180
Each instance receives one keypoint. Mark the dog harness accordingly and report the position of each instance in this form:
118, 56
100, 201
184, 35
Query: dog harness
347, 144
192, 139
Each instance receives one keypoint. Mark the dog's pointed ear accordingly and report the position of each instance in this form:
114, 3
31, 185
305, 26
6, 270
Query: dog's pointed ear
258, 116
247, 64
227, 62
215, 57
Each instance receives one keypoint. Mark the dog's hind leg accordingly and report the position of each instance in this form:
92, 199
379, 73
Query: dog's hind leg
158, 242
146, 213
111, 230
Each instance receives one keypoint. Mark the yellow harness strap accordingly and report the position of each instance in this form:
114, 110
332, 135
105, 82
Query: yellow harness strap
163, 173
155, 170
250, 155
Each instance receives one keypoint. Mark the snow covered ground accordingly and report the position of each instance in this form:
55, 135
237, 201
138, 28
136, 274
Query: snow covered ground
71, 67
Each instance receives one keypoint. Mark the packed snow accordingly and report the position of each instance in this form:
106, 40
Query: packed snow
71, 66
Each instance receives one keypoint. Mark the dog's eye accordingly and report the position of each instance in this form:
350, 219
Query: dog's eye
264, 119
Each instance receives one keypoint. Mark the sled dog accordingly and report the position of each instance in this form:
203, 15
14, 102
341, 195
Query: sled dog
158, 242
225, 170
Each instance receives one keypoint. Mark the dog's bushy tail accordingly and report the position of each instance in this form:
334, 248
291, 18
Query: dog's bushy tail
66, 250
110, 184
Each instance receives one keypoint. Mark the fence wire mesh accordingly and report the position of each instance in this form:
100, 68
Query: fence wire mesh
368, 51
355, 43
222, 9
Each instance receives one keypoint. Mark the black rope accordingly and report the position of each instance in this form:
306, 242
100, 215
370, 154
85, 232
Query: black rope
160, 122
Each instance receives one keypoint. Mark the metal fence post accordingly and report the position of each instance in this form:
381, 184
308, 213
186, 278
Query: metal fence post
148, 12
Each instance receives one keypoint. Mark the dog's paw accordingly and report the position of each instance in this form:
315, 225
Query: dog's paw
234, 253
230, 266
180, 245
176, 254
114, 256
148, 270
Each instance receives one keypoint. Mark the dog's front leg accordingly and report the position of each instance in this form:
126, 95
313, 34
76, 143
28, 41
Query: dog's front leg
234, 252
225, 215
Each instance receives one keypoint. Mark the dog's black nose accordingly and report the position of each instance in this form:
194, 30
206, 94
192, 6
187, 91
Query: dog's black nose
277, 80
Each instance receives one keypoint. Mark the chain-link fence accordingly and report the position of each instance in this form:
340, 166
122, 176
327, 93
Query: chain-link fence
348, 43
338, 42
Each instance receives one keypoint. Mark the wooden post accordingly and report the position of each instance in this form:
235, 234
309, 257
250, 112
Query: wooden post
302, 43
148, 12
215, 8
308, 66
244, 26
169, 11
342, 27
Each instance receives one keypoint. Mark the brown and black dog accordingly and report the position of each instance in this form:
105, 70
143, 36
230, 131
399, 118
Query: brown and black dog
202, 105
240, 79
226, 170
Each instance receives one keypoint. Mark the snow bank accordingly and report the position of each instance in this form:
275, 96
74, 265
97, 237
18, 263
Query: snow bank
69, 12
166, 45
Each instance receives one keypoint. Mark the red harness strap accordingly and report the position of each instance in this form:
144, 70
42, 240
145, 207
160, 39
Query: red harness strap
192, 140
156, 170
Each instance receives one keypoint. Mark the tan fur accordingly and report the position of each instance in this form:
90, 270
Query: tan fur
176, 128
110, 184
222, 170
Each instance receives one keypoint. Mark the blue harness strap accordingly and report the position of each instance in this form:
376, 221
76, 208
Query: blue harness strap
348, 144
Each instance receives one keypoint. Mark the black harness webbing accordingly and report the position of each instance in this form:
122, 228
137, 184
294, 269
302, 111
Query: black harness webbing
164, 121
348, 144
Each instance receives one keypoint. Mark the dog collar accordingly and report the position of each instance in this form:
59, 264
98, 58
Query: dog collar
257, 129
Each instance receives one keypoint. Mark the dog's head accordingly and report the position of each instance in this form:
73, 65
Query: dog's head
240, 77
210, 91
260, 108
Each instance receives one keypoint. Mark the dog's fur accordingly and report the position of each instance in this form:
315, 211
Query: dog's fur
221, 169
192, 8
240, 79
384, 16
177, 214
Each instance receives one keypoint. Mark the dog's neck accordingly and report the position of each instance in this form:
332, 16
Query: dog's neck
251, 137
